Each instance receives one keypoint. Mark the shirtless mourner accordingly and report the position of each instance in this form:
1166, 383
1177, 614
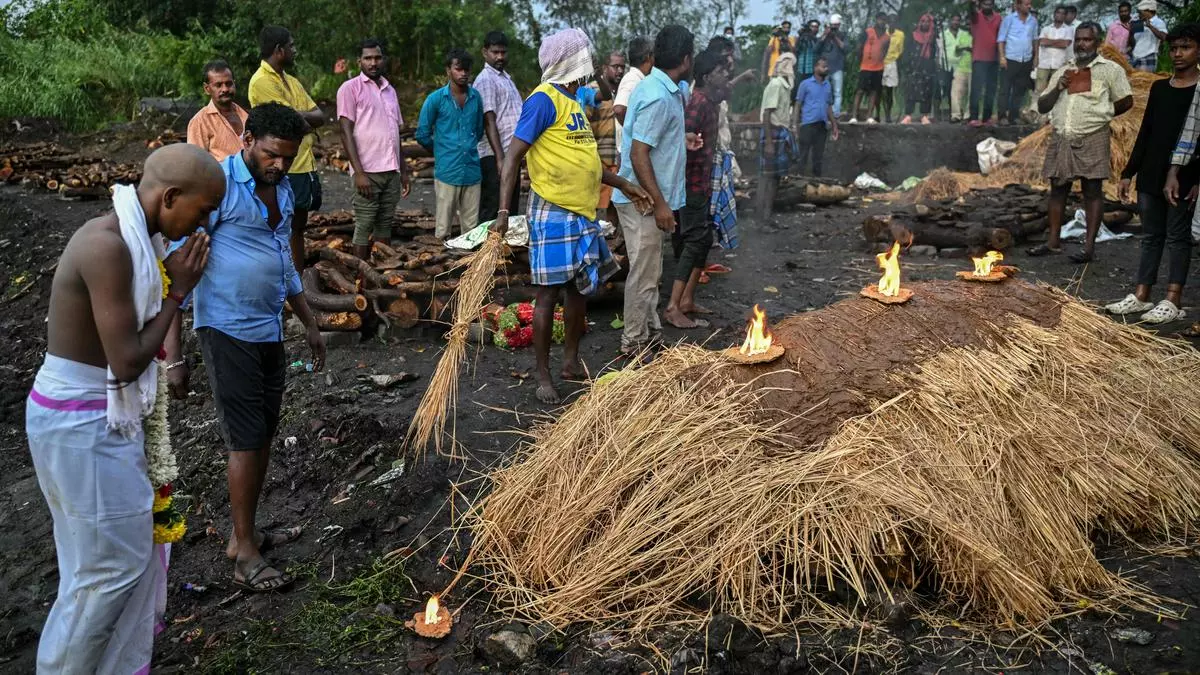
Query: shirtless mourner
108, 318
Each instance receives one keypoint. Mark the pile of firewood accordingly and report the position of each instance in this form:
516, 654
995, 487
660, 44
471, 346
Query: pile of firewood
993, 218
403, 283
53, 167
420, 161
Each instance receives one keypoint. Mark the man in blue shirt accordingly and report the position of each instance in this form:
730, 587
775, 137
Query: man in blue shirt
451, 126
1018, 60
239, 323
653, 156
812, 112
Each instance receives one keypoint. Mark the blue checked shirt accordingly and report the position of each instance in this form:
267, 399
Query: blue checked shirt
1018, 36
1185, 149
250, 271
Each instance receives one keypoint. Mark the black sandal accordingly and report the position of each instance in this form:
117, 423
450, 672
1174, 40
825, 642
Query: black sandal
1041, 250
282, 537
251, 583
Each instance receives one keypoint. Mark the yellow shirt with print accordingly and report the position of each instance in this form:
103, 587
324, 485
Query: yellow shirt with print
564, 167
895, 47
268, 86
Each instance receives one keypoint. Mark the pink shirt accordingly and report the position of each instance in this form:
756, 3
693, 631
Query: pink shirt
375, 111
1118, 36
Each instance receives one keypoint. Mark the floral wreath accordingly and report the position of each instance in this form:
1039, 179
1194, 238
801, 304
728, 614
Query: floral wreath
161, 469
512, 326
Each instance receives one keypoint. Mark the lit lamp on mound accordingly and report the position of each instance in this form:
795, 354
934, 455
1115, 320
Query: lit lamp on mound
434, 622
986, 270
888, 289
757, 347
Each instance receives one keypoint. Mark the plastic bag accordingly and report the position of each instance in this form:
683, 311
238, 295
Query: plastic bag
866, 181
1077, 229
517, 235
992, 153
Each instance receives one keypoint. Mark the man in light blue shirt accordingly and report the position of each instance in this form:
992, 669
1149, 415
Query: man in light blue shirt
653, 156
1016, 43
813, 116
451, 126
239, 323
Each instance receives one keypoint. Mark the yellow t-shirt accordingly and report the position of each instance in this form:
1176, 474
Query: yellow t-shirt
564, 167
895, 47
773, 52
266, 86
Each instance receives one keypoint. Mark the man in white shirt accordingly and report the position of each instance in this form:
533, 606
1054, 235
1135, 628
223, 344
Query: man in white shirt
1053, 46
1147, 37
640, 59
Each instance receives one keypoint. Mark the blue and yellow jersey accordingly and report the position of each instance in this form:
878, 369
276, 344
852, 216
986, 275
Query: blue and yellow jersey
564, 166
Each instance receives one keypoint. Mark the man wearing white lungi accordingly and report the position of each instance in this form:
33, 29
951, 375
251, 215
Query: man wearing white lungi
108, 317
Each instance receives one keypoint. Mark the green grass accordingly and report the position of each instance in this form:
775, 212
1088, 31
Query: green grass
333, 621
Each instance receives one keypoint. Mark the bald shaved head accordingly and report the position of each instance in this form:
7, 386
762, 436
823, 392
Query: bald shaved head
181, 185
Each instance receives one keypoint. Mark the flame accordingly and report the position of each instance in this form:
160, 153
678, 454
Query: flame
431, 611
889, 283
758, 336
983, 266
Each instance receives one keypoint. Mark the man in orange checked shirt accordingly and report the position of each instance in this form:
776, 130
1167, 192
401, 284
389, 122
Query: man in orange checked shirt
218, 126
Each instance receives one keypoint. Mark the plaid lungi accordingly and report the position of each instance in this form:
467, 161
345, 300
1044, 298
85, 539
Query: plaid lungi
785, 150
564, 246
1145, 63
723, 205
1077, 157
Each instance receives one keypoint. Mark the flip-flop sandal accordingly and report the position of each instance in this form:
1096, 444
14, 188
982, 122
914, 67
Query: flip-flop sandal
252, 584
717, 268
1129, 305
1163, 312
282, 536
1042, 249
1080, 258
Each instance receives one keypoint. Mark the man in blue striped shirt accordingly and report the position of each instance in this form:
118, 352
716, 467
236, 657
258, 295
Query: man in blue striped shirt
239, 323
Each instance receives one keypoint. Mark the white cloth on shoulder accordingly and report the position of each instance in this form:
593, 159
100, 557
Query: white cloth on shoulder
129, 402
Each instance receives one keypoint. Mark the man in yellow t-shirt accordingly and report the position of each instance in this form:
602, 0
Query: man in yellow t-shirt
771, 54
567, 252
891, 66
272, 84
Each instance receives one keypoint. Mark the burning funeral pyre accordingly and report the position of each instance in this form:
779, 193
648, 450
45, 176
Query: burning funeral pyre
966, 445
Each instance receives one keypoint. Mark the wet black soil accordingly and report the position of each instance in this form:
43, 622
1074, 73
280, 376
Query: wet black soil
371, 554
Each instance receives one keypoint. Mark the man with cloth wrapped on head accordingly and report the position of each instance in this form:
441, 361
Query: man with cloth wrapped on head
567, 252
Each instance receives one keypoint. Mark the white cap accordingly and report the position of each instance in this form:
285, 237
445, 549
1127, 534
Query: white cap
836, 19
1149, 5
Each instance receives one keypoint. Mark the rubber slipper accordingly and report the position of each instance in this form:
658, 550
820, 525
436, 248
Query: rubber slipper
278, 537
1129, 305
1163, 312
252, 584
717, 268
1042, 249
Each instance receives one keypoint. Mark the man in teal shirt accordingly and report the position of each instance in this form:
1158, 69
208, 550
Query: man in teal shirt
451, 126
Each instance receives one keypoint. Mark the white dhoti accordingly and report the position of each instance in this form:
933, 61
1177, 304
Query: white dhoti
112, 578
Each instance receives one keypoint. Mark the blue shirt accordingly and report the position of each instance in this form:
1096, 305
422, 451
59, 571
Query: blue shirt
250, 271
587, 98
654, 116
1018, 36
814, 98
452, 132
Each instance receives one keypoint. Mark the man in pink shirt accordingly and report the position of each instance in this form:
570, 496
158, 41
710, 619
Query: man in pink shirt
1119, 31
370, 120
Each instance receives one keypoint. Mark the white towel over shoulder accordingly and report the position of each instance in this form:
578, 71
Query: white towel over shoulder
129, 402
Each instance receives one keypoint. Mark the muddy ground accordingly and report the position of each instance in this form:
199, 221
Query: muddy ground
370, 555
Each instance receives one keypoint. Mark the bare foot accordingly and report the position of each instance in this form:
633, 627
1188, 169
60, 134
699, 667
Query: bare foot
678, 319
546, 392
694, 309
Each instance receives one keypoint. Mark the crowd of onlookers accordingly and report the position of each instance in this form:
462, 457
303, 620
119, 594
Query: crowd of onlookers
978, 67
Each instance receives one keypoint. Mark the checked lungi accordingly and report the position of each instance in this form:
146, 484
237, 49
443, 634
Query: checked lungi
112, 577
564, 246
785, 151
723, 206
1070, 157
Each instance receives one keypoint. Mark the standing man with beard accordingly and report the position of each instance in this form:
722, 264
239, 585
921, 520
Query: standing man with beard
1082, 99
218, 126
272, 84
501, 109
239, 323
604, 126
370, 121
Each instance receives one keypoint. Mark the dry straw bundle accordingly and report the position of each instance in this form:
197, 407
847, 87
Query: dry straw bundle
441, 396
971, 459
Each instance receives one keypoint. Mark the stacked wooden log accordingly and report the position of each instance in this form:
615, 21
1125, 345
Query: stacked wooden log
993, 218
420, 161
52, 167
402, 283
810, 190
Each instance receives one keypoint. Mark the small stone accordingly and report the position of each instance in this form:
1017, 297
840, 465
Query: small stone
685, 657
385, 610
1135, 635
952, 253
805, 207
927, 251
921, 210
509, 648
